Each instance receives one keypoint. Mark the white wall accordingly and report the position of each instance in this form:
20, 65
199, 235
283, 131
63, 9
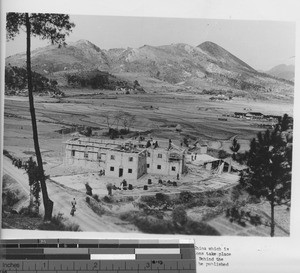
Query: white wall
121, 161
138, 165
163, 161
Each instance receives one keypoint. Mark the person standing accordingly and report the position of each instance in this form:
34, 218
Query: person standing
73, 203
73, 209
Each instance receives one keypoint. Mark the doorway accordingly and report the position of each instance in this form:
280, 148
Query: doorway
120, 172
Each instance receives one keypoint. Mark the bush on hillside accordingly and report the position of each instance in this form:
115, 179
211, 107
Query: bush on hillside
10, 198
96, 197
151, 224
29, 211
58, 223
179, 216
88, 189
186, 197
199, 228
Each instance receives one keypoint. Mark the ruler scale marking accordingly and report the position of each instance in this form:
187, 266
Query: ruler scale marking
97, 255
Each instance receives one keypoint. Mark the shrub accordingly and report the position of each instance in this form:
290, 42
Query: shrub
28, 211
212, 213
242, 157
72, 227
96, 207
179, 216
7, 154
88, 199
96, 197
212, 202
88, 189
150, 200
196, 202
223, 154
159, 200
127, 216
57, 219
254, 200
107, 199
11, 197
161, 197
57, 223
199, 228
113, 133
186, 197
150, 224
130, 199
255, 220
124, 131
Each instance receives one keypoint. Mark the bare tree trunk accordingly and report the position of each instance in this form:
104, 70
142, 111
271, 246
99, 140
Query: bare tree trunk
31, 196
48, 204
272, 214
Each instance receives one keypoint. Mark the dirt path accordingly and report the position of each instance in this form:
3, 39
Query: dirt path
62, 197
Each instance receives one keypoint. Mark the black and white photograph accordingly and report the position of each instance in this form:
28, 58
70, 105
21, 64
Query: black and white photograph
148, 125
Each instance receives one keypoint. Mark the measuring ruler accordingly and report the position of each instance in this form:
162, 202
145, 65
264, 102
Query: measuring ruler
93, 255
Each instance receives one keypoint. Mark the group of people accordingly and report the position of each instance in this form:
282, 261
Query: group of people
151, 143
193, 156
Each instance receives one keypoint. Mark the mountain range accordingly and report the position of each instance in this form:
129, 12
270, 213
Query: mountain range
173, 67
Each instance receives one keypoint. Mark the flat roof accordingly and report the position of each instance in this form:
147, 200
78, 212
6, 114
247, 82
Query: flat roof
163, 145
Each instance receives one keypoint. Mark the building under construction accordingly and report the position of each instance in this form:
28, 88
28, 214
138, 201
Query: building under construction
128, 158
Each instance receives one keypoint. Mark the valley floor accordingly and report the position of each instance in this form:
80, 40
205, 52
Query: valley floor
158, 113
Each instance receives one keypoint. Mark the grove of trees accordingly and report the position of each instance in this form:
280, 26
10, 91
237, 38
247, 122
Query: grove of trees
16, 79
114, 119
94, 79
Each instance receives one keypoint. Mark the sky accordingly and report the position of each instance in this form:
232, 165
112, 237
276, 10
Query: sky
261, 44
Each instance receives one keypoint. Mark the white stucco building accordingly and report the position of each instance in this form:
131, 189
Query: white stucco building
165, 162
126, 159
127, 164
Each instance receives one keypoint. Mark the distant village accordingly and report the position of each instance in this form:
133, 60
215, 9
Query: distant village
257, 116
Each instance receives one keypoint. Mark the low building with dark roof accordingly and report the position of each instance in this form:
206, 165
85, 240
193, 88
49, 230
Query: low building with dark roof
255, 115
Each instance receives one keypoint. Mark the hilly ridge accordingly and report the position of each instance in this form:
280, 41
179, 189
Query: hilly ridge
215, 50
283, 71
206, 66
79, 55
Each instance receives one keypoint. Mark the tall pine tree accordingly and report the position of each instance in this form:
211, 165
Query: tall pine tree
269, 171
53, 27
